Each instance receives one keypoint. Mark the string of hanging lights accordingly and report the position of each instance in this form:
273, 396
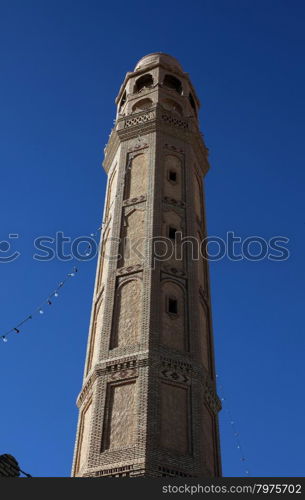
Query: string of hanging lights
48, 301
235, 431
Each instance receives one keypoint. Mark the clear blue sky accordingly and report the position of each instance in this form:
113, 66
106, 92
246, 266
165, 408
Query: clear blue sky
62, 63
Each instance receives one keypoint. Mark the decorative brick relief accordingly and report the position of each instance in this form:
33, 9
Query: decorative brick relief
175, 376
121, 404
132, 248
136, 176
139, 119
127, 316
174, 418
125, 471
176, 122
166, 472
133, 201
129, 270
175, 364
123, 374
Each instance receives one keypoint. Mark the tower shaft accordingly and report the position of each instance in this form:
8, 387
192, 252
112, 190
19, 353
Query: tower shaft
148, 405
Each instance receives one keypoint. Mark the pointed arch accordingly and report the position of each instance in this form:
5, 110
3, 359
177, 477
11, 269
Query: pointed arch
173, 83
142, 105
145, 81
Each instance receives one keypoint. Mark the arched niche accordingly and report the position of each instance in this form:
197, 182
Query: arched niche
142, 105
145, 81
136, 177
173, 320
132, 248
127, 315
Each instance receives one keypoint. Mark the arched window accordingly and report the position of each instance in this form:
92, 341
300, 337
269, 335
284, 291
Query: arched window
144, 81
142, 105
172, 82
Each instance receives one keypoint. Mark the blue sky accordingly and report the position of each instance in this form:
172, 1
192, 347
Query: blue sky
62, 63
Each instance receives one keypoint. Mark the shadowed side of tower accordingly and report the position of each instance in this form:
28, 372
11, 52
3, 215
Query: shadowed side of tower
148, 405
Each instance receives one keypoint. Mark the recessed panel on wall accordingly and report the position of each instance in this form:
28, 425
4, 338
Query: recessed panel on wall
174, 418
136, 178
132, 248
120, 423
127, 316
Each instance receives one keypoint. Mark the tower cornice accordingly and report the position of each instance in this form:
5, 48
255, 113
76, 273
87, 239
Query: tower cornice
153, 120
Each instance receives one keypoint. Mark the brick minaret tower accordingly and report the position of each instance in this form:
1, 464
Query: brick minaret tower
148, 405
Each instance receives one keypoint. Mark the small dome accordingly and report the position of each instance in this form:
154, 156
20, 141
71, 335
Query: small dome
158, 57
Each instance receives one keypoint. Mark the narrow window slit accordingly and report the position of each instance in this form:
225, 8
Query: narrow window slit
172, 232
172, 176
172, 306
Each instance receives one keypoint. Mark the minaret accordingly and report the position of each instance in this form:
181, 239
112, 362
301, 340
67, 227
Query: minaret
148, 405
